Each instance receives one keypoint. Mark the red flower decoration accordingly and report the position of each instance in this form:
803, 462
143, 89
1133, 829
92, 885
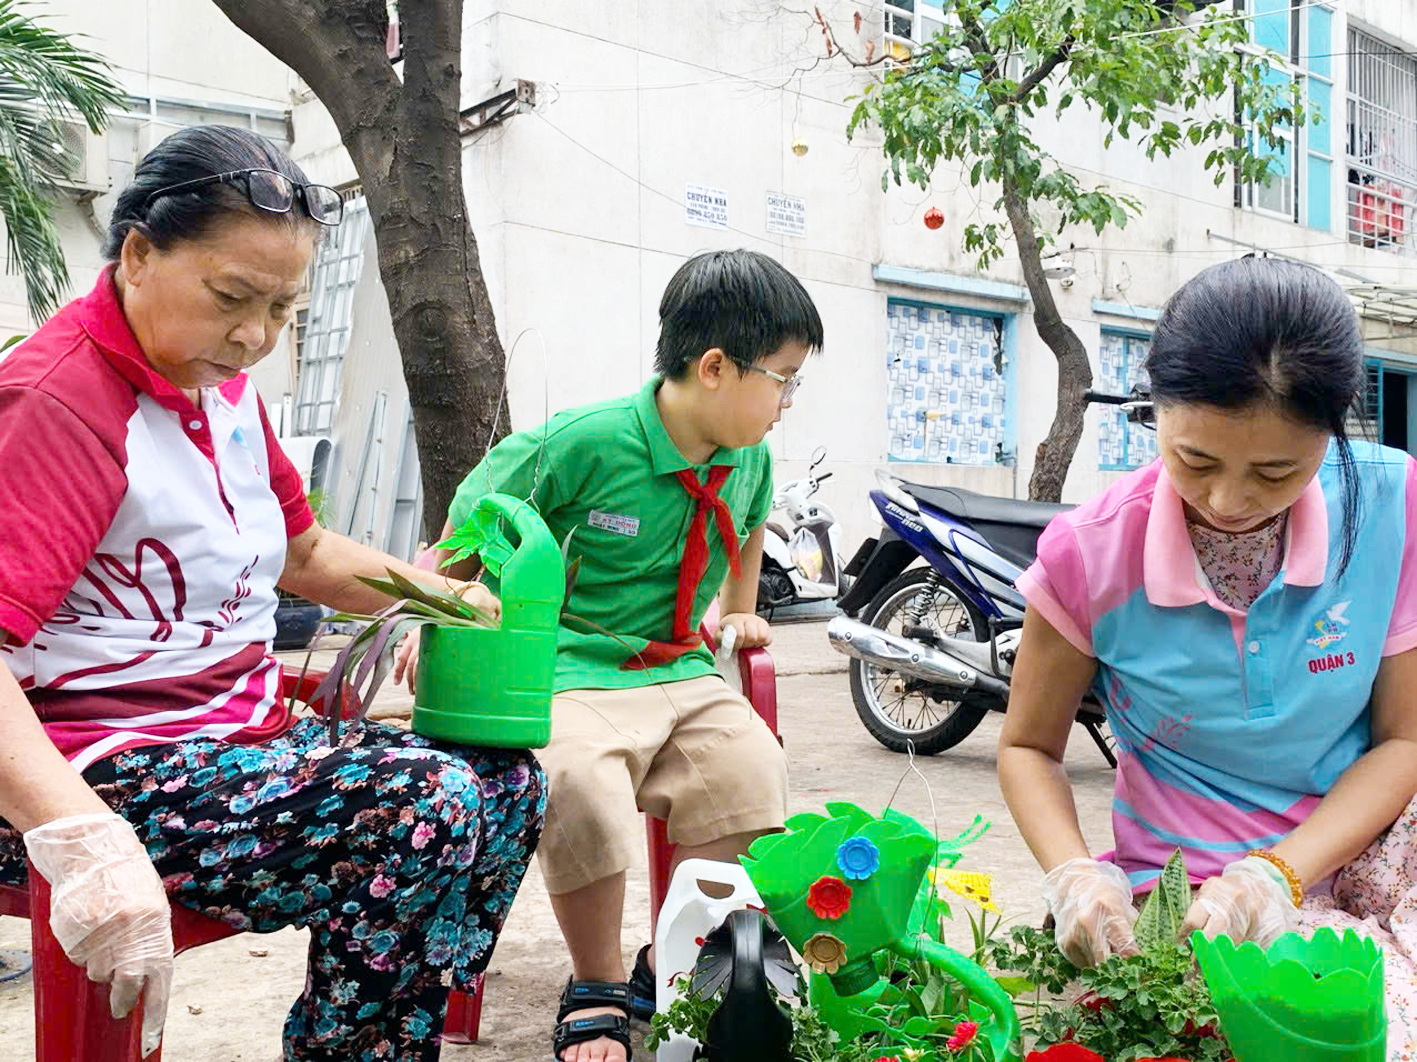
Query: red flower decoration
829, 897
964, 1035
1065, 1053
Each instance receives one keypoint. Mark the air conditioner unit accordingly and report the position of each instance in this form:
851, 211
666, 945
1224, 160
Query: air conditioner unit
87, 154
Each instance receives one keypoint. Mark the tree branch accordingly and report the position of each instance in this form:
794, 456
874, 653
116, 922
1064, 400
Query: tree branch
348, 71
1032, 80
979, 45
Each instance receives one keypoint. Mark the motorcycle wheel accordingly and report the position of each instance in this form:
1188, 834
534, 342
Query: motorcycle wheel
899, 717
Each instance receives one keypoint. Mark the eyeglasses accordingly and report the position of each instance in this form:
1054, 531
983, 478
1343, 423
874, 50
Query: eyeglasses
270, 191
789, 383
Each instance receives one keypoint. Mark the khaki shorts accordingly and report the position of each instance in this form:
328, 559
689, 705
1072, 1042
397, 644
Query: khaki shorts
693, 753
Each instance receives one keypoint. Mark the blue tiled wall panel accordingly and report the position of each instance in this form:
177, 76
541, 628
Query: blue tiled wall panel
947, 396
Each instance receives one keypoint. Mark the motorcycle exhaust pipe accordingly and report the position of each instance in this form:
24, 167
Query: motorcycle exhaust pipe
884, 649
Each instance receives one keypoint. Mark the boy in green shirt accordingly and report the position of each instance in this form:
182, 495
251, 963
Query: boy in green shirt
667, 492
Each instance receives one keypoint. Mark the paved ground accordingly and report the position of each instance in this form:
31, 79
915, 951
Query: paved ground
832, 757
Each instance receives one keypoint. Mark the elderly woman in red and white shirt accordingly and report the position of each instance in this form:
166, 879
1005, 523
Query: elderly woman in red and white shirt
149, 515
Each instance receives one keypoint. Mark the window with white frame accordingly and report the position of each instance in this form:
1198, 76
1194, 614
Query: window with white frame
1382, 143
325, 335
909, 24
1122, 445
1298, 36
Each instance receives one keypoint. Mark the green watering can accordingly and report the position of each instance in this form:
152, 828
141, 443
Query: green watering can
1316, 1000
493, 686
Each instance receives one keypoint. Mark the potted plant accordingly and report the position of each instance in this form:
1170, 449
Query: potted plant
479, 681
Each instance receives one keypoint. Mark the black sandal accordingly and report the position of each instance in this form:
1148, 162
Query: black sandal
643, 991
583, 995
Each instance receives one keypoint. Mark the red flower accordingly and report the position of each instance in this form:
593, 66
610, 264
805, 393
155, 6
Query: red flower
1065, 1053
829, 897
964, 1035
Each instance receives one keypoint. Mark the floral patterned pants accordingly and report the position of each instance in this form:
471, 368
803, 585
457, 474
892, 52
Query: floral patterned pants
1376, 895
401, 855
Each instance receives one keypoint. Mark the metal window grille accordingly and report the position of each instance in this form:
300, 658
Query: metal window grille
1382, 143
1122, 445
325, 336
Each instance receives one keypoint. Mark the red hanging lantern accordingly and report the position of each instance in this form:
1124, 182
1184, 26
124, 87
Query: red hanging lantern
934, 218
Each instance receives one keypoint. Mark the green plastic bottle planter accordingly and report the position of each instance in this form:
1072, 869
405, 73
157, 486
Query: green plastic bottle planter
1316, 1000
841, 888
494, 686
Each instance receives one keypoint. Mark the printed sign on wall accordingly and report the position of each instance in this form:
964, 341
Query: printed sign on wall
787, 214
706, 207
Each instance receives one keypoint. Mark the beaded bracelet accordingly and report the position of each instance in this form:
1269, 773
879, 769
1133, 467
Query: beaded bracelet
1296, 885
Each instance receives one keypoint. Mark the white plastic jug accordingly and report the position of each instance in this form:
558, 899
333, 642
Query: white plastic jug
689, 915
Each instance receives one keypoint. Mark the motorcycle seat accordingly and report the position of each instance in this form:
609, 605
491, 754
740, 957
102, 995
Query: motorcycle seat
985, 508
777, 529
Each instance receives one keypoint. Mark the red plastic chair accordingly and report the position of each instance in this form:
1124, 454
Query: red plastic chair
760, 687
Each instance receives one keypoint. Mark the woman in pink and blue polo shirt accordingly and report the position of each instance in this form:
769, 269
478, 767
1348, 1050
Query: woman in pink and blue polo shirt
1247, 608
147, 516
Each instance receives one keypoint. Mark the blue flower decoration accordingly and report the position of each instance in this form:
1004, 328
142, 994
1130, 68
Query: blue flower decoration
858, 858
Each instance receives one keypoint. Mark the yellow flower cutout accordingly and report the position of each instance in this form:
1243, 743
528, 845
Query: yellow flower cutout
970, 884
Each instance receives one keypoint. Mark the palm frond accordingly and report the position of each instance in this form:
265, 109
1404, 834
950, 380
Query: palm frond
32, 242
45, 78
65, 78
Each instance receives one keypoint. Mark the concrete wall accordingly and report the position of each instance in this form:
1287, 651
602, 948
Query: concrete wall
579, 212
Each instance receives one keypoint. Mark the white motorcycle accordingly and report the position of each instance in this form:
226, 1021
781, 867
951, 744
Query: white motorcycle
802, 561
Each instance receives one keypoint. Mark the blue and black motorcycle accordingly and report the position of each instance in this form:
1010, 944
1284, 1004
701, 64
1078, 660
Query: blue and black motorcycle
932, 646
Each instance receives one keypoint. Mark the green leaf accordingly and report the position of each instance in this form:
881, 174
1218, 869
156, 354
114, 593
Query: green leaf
1165, 909
1016, 986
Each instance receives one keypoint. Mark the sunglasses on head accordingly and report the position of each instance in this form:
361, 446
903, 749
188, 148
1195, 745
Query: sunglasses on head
269, 191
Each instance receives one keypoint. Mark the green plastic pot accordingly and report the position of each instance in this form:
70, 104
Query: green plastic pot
493, 686
1315, 1000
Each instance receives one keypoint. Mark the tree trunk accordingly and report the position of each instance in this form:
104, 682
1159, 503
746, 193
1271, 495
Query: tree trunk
404, 139
1055, 453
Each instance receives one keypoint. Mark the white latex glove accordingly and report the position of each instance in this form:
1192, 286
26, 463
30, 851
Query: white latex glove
1250, 900
1091, 904
108, 911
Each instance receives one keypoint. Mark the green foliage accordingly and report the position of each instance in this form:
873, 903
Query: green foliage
1162, 78
44, 78
917, 1018
1165, 909
1150, 1005
319, 503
